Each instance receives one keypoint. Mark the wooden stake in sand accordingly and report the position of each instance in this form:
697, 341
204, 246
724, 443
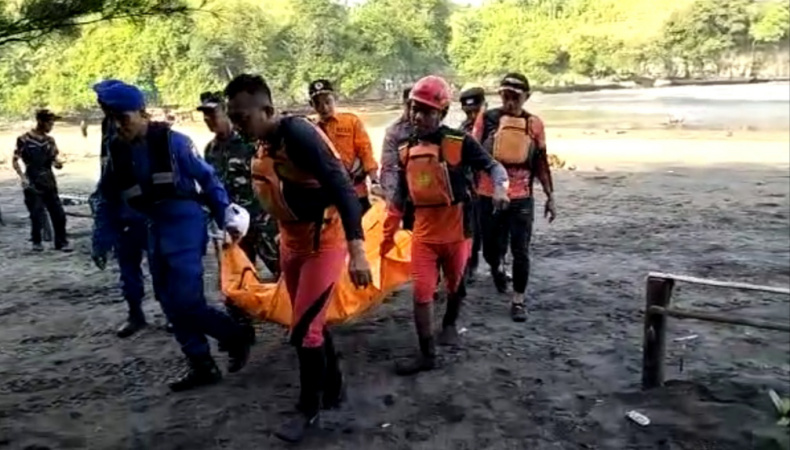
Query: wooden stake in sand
657, 309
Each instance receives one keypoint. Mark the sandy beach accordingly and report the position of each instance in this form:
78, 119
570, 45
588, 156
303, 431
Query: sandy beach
704, 203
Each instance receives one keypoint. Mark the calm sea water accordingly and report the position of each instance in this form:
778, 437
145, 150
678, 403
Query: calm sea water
754, 106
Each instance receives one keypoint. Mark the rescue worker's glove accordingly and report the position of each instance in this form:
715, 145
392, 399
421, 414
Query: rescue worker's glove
358, 266
237, 221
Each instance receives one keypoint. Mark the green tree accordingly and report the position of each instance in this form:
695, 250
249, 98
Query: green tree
771, 22
30, 20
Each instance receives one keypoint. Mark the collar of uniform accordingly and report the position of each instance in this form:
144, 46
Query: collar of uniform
523, 113
332, 118
435, 137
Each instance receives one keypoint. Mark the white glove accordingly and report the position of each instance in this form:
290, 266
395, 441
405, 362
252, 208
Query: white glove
237, 220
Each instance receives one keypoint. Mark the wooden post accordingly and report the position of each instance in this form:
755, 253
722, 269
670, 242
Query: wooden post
659, 293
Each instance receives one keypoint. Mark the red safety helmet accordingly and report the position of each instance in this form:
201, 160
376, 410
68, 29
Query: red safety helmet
432, 91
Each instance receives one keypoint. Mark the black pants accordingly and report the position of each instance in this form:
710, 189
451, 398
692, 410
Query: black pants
513, 225
39, 200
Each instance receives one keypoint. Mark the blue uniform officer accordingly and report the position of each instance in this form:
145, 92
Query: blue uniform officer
132, 239
156, 171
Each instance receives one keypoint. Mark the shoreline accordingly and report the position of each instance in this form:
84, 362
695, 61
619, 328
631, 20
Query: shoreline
577, 149
372, 106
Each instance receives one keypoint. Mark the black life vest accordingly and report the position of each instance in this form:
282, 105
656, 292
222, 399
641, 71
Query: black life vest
161, 183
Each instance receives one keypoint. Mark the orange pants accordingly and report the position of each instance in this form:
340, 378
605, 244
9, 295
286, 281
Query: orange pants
425, 262
309, 279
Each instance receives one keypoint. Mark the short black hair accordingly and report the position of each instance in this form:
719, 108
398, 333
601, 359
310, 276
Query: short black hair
406, 93
251, 84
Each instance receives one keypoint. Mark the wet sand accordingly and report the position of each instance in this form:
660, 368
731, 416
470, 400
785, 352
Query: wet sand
563, 380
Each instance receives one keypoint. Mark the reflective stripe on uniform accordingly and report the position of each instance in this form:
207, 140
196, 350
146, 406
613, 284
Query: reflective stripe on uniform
162, 178
133, 191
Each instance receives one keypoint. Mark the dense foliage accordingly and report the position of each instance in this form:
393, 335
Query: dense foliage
367, 46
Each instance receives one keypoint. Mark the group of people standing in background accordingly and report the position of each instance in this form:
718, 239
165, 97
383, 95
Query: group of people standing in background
459, 191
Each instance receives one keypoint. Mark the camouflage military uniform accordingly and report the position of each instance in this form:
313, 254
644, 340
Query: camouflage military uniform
231, 159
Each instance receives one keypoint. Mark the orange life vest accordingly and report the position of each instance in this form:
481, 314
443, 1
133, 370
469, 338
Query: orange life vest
513, 143
433, 172
513, 146
272, 170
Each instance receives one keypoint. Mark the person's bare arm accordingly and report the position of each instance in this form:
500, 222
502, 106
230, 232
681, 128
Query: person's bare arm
15, 162
542, 169
56, 161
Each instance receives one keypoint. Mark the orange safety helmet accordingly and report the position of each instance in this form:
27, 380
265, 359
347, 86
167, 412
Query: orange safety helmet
432, 91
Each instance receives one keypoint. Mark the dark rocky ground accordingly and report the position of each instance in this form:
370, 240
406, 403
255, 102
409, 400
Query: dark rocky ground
563, 380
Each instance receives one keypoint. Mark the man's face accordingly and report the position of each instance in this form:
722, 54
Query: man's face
45, 125
471, 111
324, 105
424, 118
512, 101
131, 125
252, 114
216, 120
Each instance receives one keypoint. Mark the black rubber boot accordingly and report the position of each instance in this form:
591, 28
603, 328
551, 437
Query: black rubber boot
426, 360
238, 351
334, 387
471, 269
134, 323
449, 334
312, 370
243, 320
203, 371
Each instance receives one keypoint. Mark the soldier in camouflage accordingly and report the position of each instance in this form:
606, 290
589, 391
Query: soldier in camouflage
231, 155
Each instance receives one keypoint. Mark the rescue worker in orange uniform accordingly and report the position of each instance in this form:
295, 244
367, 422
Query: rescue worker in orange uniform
517, 140
434, 169
351, 140
301, 181
473, 104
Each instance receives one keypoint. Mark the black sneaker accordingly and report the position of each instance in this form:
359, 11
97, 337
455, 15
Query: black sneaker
238, 354
38, 248
296, 429
518, 312
130, 327
65, 248
448, 337
414, 366
203, 371
423, 362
